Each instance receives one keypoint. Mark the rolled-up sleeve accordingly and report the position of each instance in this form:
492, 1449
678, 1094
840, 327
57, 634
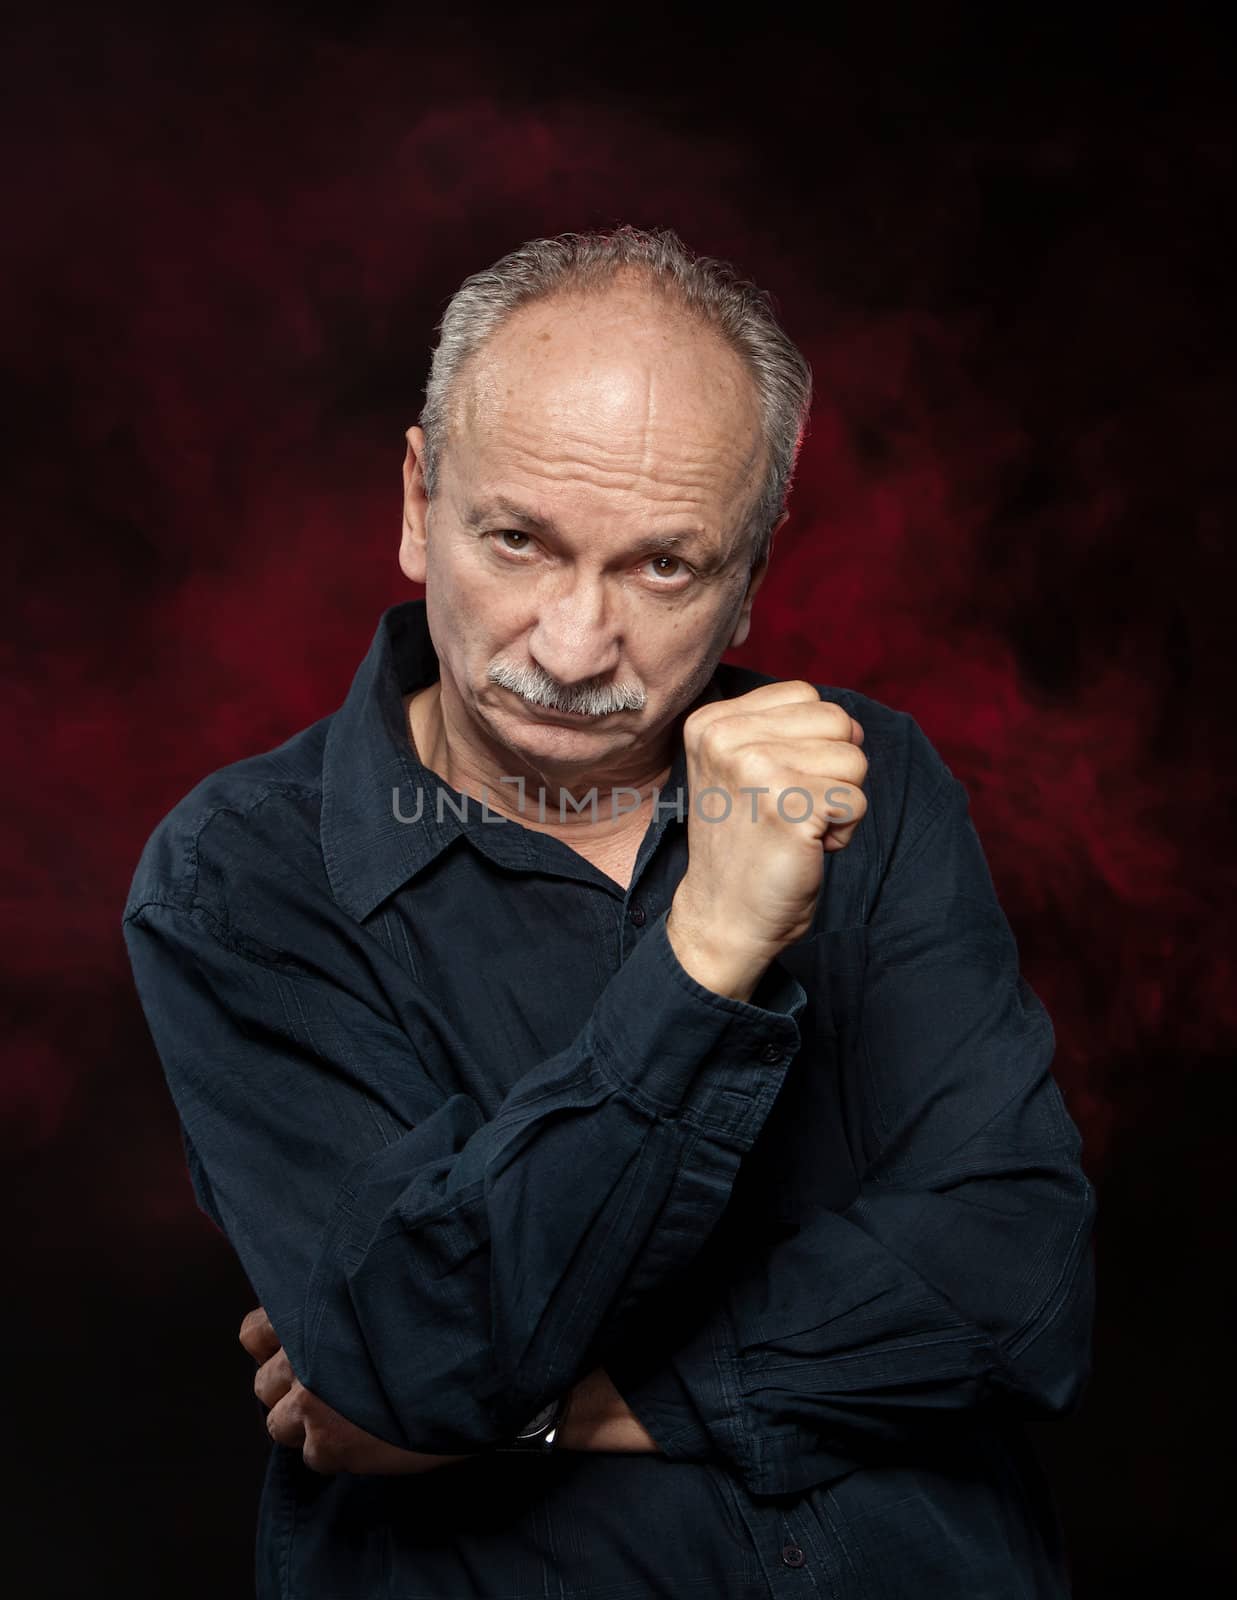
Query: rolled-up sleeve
436, 1276
960, 1276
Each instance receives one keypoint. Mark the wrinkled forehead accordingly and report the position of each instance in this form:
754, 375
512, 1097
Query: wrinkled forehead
620, 381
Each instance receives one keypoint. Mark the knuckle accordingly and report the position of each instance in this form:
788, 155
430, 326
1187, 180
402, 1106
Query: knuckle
853, 803
698, 721
719, 738
847, 762
318, 1457
751, 765
709, 735
760, 768
841, 801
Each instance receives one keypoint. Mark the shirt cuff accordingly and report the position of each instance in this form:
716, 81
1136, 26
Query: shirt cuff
678, 1373
661, 1402
682, 1050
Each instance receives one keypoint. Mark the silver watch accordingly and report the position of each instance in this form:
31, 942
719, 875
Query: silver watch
538, 1435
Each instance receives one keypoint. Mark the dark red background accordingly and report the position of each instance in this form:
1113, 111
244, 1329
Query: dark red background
1008, 257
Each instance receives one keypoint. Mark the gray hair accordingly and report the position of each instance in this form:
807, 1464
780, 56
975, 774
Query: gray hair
711, 290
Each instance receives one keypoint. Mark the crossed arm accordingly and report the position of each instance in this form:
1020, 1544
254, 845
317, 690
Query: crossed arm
956, 1277
597, 1417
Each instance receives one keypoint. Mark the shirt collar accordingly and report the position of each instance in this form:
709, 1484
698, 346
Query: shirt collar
368, 763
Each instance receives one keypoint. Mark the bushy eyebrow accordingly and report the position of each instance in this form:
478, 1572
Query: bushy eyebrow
498, 505
688, 541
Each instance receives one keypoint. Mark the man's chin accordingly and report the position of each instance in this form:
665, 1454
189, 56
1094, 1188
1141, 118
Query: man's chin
581, 739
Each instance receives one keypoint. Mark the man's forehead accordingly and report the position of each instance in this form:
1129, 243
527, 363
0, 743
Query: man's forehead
625, 347
623, 419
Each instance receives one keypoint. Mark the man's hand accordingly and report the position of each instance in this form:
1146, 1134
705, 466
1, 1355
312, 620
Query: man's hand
783, 770
297, 1418
597, 1417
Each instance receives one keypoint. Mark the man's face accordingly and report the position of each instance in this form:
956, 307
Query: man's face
589, 529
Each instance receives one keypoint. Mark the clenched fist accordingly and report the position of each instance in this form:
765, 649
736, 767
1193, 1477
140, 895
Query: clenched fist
775, 781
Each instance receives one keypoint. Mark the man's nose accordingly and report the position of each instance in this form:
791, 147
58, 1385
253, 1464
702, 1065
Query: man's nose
575, 637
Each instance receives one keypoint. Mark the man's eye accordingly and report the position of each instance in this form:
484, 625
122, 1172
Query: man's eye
505, 534
666, 567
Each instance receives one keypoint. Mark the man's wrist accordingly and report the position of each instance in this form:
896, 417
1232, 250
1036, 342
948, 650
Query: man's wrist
600, 1419
727, 972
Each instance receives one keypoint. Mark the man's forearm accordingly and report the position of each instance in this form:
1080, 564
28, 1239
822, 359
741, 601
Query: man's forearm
598, 1418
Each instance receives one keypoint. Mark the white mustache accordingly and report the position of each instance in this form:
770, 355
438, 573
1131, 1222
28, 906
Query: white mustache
539, 689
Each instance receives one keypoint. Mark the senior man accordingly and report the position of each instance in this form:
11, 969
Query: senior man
611, 1066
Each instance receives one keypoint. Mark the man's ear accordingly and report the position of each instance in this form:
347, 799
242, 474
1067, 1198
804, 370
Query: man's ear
744, 623
416, 505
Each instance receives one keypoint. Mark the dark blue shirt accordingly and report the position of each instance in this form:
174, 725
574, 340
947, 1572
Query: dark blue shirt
473, 1131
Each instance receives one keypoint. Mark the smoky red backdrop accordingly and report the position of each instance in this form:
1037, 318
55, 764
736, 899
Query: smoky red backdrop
229, 239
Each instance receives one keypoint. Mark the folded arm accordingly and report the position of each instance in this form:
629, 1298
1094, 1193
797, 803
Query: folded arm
435, 1276
595, 1418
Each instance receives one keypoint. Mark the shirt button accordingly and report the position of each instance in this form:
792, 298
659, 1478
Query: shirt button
771, 1053
636, 915
793, 1556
